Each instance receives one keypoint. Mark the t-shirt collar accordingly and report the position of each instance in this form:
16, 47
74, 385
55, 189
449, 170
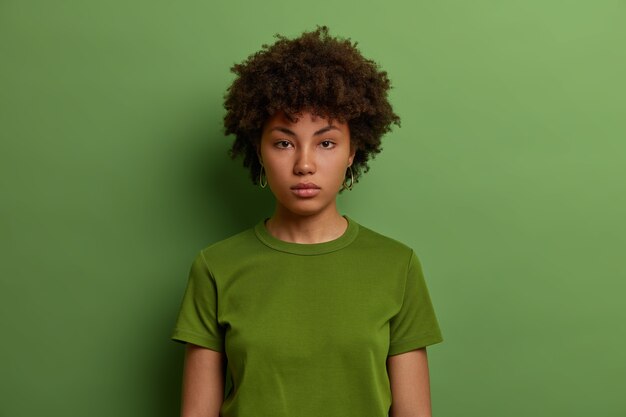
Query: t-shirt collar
342, 241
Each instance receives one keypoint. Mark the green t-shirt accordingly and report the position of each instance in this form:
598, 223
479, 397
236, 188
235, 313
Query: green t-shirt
307, 328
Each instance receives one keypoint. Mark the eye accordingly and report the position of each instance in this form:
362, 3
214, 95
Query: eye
282, 144
327, 144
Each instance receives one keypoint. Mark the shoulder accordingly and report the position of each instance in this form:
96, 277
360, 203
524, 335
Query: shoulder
233, 246
383, 243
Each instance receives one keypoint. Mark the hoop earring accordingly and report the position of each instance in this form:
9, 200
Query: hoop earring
349, 187
261, 177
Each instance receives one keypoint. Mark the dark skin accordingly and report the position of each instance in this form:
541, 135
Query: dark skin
314, 71
310, 150
320, 75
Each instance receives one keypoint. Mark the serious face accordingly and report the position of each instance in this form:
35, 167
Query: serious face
305, 161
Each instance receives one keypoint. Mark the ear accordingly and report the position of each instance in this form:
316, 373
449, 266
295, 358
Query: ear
352, 153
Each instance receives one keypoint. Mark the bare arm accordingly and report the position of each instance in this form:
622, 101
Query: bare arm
203, 382
410, 384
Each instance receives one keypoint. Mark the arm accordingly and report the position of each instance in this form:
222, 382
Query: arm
203, 382
410, 384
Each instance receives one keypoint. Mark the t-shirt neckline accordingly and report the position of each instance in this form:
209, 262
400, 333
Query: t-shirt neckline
342, 241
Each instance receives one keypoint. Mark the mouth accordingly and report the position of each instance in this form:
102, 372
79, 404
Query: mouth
305, 186
308, 189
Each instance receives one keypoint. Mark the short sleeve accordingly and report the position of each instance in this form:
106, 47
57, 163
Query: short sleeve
197, 319
415, 325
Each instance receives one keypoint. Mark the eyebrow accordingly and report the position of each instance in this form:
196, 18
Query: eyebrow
319, 132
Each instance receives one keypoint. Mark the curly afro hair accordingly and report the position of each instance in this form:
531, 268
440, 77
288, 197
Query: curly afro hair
315, 71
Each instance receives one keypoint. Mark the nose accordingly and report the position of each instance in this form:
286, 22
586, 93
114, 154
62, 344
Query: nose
305, 162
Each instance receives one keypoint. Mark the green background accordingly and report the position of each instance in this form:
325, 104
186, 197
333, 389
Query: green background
506, 177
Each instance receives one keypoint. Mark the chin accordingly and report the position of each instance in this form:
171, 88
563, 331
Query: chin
304, 211
305, 207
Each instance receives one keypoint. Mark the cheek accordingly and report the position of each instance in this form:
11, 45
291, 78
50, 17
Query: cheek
275, 164
335, 166
277, 172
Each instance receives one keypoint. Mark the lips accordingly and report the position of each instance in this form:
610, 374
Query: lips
305, 186
306, 190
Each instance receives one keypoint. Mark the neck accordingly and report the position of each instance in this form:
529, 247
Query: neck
316, 228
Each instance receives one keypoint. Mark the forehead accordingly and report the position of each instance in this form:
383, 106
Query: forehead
304, 117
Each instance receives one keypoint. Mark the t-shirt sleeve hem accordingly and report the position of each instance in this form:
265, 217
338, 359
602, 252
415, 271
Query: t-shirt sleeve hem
185, 336
411, 344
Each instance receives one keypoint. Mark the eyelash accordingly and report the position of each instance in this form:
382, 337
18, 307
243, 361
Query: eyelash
280, 142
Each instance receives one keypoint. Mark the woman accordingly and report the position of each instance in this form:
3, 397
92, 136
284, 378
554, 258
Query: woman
308, 313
